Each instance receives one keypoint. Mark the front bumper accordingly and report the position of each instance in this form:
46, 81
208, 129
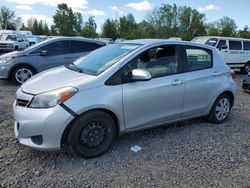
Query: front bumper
7, 49
246, 84
47, 125
4, 71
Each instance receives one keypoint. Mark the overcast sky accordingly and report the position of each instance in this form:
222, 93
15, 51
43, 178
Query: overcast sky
101, 9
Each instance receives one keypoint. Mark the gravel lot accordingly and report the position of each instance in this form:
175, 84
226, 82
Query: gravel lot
191, 153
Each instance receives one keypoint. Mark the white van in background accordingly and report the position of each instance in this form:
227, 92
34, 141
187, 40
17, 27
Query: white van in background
234, 51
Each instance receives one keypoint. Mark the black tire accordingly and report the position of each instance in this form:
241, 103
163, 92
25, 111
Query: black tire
212, 117
91, 134
27, 70
246, 69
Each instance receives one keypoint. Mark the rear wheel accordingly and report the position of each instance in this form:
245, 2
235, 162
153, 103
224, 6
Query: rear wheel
221, 109
22, 74
91, 134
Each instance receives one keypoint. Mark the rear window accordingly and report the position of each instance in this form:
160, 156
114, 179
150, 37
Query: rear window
235, 45
246, 45
198, 58
82, 46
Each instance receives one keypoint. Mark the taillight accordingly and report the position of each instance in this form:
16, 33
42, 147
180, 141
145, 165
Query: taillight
233, 74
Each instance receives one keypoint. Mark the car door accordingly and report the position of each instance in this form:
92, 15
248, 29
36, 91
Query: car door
200, 80
53, 54
223, 50
146, 103
81, 48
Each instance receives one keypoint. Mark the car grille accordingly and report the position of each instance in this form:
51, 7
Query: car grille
22, 103
3, 45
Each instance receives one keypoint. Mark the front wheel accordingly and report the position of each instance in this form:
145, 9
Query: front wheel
22, 74
91, 134
221, 109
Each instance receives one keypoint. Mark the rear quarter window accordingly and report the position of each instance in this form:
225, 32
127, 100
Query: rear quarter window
198, 58
246, 45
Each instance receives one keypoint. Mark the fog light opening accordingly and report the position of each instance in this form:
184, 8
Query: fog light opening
37, 139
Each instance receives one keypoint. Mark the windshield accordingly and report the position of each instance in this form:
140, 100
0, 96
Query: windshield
212, 41
103, 58
8, 37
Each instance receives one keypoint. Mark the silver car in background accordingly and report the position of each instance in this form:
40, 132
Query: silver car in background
20, 66
120, 88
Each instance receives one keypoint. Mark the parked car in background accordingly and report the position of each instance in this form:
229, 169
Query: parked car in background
120, 88
106, 40
119, 40
10, 42
234, 51
246, 83
58, 51
33, 39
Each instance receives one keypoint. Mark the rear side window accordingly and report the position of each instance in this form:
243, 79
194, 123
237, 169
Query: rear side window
55, 48
246, 45
81, 46
235, 45
221, 44
198, 58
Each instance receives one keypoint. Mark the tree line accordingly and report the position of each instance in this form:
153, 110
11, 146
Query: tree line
162, 22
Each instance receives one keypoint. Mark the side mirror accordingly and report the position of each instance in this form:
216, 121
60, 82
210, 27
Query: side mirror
140, 75
44, 53
223, 47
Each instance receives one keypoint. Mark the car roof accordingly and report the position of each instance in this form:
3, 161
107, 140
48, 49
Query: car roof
159, 41
57, 38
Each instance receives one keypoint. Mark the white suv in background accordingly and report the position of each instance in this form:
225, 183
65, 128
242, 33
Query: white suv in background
234, 51
10, 42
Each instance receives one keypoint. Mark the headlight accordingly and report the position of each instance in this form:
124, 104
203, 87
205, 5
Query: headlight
52, 98
6, 60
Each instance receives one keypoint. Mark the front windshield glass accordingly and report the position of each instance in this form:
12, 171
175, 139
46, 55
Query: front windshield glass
103, 58
8, 37
212, 41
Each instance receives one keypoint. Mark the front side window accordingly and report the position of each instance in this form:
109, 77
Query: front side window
8, 37
246, 45
159, 61
221, 44
55, 48
235, 45
101, 59
198, 58
81, 46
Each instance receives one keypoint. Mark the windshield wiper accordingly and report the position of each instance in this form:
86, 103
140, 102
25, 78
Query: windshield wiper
73, 67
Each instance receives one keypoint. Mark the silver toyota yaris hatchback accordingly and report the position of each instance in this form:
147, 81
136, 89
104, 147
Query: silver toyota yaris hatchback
120, 88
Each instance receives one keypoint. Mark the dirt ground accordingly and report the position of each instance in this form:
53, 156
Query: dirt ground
192, 153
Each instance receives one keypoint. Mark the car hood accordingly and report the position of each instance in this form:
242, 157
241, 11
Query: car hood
11, 54
7, 42
54, 79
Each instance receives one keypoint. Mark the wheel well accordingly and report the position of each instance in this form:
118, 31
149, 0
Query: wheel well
20, 65
112, 115
230, 94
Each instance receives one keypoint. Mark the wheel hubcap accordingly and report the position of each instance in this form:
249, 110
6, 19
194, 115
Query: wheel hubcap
23, 74
92, 135
222, 109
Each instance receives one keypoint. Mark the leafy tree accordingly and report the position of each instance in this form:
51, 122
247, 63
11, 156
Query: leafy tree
8, 19
127, 26
110, 29
46, 30
212, 29
89, 29
227, 27
79, 23
64, 20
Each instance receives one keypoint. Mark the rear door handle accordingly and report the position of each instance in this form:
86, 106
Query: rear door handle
217, 73
177, 82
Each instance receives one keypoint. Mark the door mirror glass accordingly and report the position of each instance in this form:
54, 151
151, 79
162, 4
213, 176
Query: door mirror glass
44, 53
140, 75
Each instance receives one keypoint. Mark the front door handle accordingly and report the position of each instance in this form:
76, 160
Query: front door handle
177, 82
